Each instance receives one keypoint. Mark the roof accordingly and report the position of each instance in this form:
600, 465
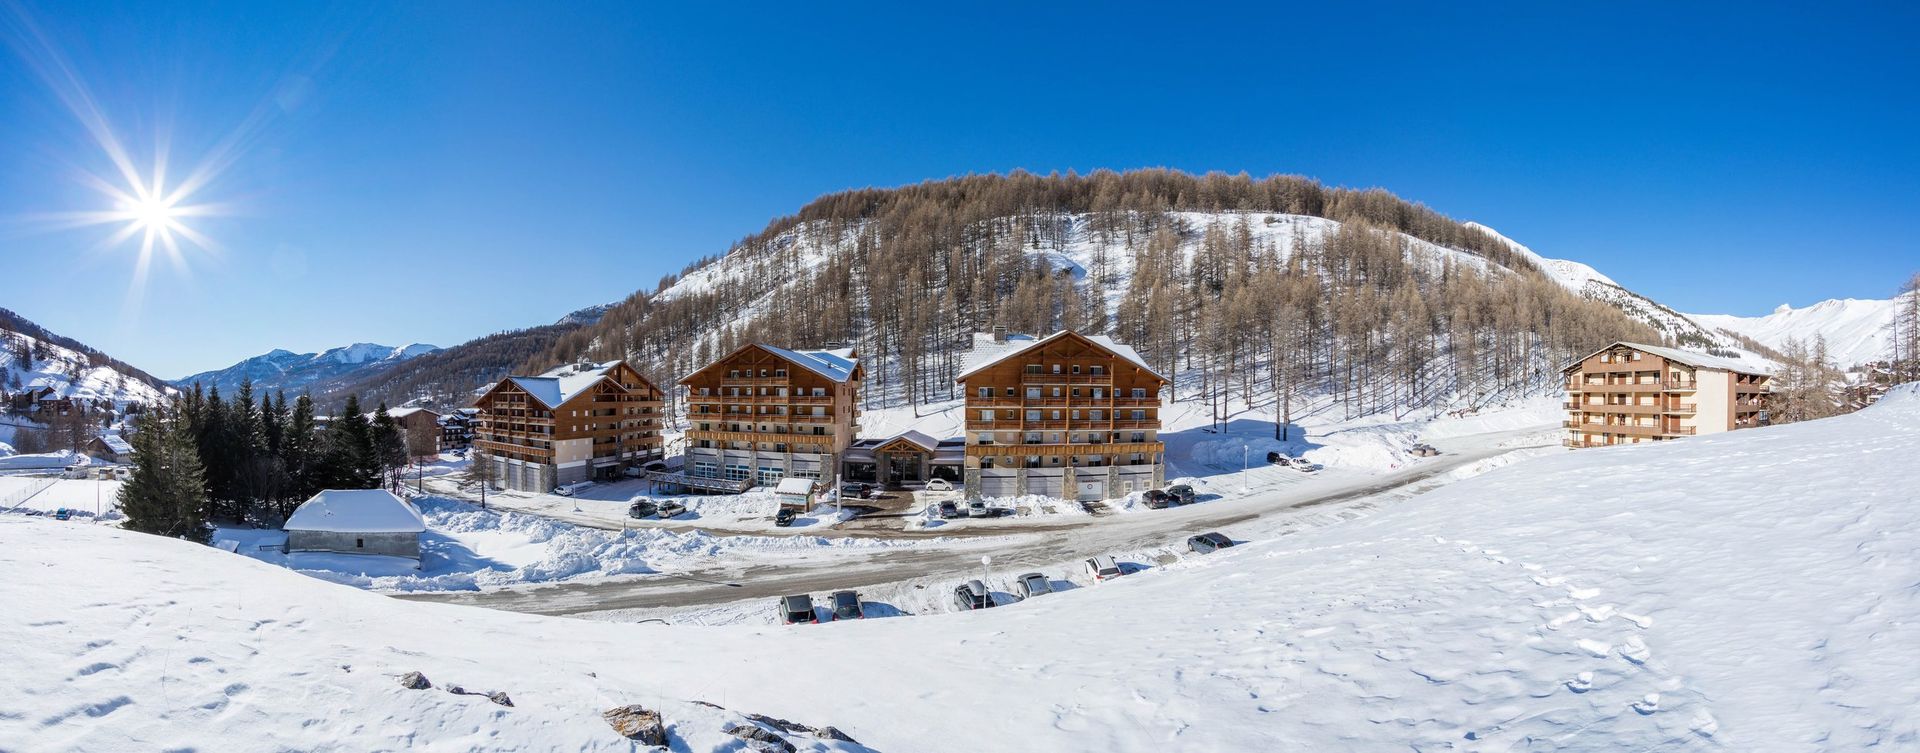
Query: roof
986, 352
116, 443
800, 486
399, 413
919, 439
356, 511
837, 365
559, 385
1690, 358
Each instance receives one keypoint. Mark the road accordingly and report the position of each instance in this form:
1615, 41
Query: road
1018, 548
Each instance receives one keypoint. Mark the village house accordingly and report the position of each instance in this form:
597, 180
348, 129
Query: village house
1627, 393
1068, 415
356, 521
762, 413
111, 447
575, 423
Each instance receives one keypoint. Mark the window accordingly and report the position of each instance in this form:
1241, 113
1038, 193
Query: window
1033, 393
986, 415
986, 392
1139, 392
819, 392
1009, 392
779, 372
1097, 415
1076, 368
985, 438
1099, 370
1033, 415
1033, 368
1056, 415
1139, 436
359, 543
1139, 415
986, 462
1056, 368
1099, 393
733, 373
736, 472
1033, 461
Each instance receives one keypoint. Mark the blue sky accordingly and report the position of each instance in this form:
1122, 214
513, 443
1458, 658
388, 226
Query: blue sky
430, 172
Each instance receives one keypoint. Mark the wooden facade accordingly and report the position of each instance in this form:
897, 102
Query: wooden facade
762, 413
1065, 416
1627, 393
602, 420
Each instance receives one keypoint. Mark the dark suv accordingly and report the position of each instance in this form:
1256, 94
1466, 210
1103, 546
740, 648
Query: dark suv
641, 509
1181, 493
846, 606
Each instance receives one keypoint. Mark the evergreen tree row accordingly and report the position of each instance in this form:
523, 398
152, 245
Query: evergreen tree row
244, 460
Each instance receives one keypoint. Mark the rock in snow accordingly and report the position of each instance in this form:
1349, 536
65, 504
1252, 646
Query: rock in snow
636, 722
760, 739
414, 681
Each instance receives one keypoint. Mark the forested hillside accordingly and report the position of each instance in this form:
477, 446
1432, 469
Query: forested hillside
1241, 288
31, 356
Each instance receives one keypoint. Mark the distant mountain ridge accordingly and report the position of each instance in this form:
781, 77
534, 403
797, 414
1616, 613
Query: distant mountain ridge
1857, 331
281, 369
31, 356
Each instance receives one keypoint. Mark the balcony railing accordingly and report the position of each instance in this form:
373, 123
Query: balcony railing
1048, 378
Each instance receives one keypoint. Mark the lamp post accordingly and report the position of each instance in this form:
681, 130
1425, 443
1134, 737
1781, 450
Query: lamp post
985, 560
1244, 452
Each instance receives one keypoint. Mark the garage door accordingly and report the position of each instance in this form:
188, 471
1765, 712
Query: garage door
1091, 491
1045, 486
998, 486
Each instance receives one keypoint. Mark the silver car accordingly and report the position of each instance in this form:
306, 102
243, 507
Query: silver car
973, 595
1033, 584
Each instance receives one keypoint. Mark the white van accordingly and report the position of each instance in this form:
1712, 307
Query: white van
568, 490
1103, 568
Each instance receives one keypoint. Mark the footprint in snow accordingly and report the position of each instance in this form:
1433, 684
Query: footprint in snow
1635, 650
1647, 705
1581, 683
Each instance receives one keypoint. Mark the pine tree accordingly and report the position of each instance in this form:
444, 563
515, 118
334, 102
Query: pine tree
167, 493
389, 447
350, 460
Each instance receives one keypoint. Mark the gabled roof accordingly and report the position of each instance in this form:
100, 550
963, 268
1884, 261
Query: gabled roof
399, 413
799, 486
911, 437
836, 365
559, 385
986, 353
1696, 360
356, 511
116, 443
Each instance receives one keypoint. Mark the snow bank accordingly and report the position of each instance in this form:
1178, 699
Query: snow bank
45, 460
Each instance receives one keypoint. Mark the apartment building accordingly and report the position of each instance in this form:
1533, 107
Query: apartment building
1068, 415
762, 413
575, 423
1628, 392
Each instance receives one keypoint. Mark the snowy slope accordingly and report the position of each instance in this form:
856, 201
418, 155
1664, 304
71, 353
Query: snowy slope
1589, 282
286, 370
1857, 331
71, 372
1534, 607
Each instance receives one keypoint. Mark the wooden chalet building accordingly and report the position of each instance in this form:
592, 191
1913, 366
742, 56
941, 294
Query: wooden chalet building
761, 414
575, 423
1627, 392
1070, 416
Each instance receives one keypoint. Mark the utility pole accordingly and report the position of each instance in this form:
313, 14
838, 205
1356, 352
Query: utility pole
1244, 451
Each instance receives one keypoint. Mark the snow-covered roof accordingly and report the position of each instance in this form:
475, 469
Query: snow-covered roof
794, 486
399, 413
920, 439
837, 365
1690, 358
356, 511
116, 443
987, 352
555, 387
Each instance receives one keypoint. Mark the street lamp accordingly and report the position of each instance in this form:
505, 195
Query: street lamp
1245, 451
985, 560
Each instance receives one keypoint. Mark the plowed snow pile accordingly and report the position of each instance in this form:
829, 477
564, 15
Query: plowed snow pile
1755, 591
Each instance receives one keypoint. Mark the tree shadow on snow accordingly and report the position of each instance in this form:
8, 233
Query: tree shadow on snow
440, 553
1202, 452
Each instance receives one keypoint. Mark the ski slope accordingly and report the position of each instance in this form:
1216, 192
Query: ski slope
1749, 591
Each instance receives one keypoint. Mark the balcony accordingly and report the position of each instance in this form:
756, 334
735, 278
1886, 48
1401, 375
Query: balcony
1749, 406
1047, 378
1128, 423
1619, 409
1682, 409
994, 402
1136, 402
1021, 450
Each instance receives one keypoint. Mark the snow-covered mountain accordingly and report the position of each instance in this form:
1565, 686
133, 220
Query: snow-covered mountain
31, 356
1587, 281
293, 372
1857, 331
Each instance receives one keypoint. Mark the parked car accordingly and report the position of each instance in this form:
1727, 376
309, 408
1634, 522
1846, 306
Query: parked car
1306, 467
978, 509
1208, 543
568, 490
657, 465
642, 509
939, 485
973, 595
948, 510
855, 491
671, 509
62, 514
1157, 499
1278, 459
785, 516
1181, 493
846, 606
797, 609
1424, 450
1103, 568
1033, 584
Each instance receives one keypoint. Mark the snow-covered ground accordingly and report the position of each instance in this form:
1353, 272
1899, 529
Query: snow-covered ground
84, 497
1745, 591
467, 548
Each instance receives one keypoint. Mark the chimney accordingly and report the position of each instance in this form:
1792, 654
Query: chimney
999, 333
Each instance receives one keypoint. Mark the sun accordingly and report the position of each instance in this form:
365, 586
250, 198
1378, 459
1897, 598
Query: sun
151, 213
